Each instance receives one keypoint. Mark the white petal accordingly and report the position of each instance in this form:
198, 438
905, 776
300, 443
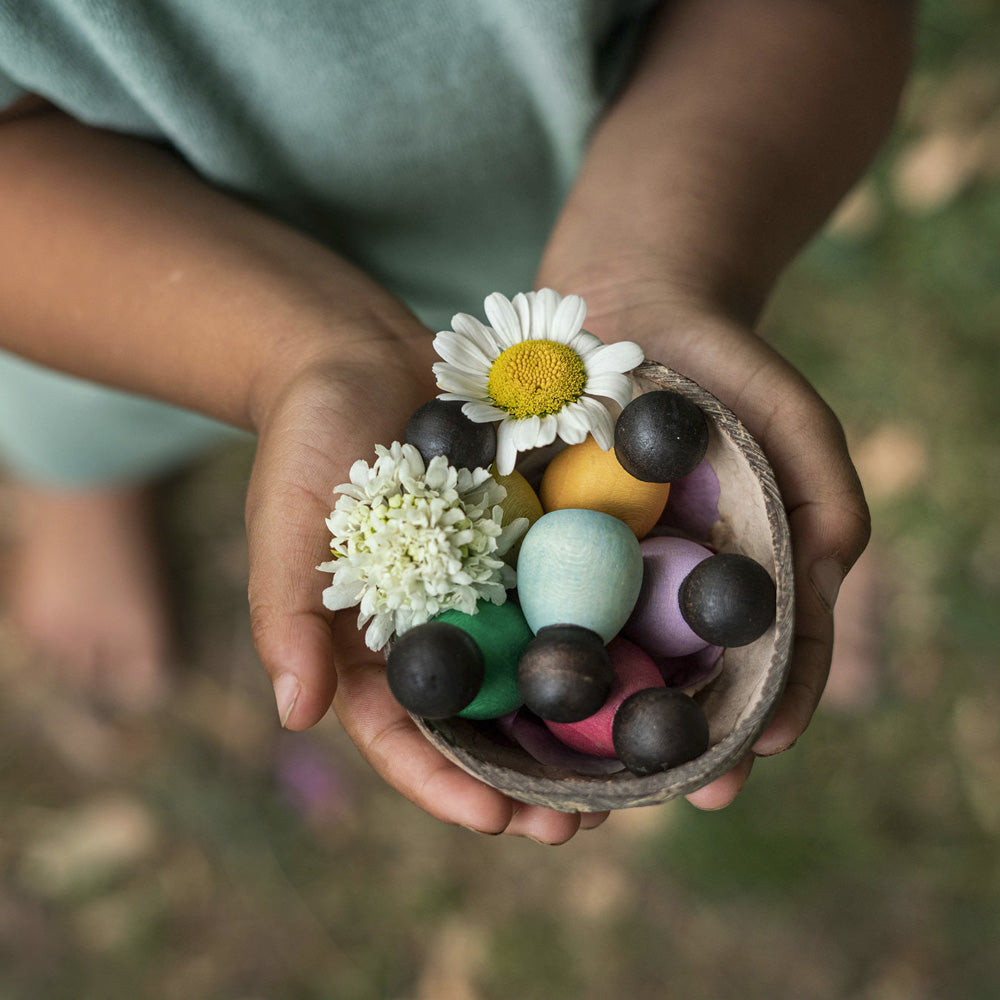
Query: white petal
369, 600
480, 334
506, 448
573, 423
612, 385
585, 343
620, 357
436, 475
463, 397
601, 424
412, 460
522, 306
547, 432
359, 473
568, 318
503, 316
462, 352
613, 407
453, 380
379, 632
544, 303
510, 534
342, 595
483, 413
526, 432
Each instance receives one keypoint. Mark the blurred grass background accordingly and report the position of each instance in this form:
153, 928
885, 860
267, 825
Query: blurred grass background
207, 854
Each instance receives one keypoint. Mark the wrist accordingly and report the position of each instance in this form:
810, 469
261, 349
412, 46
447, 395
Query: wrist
641, 290
350, 358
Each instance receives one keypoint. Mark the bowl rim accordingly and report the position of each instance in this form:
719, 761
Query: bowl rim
568, 791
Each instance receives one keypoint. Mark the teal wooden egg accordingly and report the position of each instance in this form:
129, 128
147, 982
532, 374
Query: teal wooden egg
501, 633
579, 567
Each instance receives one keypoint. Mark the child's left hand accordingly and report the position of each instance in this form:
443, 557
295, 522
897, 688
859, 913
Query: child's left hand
803, 440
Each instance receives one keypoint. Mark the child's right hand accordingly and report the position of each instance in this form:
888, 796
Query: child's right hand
311, 430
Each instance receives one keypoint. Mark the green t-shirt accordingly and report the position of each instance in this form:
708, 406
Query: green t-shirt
431, 142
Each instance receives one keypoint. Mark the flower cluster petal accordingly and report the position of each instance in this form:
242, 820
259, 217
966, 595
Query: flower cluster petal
410, 540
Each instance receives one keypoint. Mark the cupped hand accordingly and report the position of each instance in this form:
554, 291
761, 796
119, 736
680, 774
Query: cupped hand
805, 445
328, 416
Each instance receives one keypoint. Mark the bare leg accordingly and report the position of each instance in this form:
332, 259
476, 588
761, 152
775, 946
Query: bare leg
86, 592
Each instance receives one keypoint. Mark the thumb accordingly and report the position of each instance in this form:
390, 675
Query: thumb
306, 447
287, 539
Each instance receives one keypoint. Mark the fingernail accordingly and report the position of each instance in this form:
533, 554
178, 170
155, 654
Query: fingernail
480, 833
826, 576
772, 748
286, 694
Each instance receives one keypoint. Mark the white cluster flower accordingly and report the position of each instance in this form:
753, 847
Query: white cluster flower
410, 541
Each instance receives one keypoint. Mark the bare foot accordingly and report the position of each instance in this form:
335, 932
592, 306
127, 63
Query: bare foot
86, 593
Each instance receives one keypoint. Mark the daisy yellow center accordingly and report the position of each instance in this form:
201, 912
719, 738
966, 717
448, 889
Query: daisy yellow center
536, 377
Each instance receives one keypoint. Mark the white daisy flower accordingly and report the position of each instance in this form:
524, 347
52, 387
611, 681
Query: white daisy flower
410, 541
536, 371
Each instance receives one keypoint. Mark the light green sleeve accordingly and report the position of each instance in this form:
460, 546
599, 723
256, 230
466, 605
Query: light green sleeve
9, 90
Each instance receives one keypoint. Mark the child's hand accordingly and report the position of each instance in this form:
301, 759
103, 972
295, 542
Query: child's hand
316, 427
805, 444
742, 126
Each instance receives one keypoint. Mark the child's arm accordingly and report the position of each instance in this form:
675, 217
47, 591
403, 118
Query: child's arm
745, 123
122, 266
119, 264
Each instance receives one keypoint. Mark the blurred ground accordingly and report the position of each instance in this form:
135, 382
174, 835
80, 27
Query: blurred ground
207, 854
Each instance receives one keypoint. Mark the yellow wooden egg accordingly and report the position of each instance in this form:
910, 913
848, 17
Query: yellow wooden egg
583, 475
521, 501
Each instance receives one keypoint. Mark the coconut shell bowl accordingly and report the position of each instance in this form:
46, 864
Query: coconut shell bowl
737, 703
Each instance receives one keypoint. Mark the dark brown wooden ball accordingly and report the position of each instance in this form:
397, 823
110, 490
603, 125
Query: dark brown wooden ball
660, 436
728, 599
435, 670
565, 673
439, 427
658, 728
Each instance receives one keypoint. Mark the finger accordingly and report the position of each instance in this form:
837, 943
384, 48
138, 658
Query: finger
390, 741
290, 627
303, 453
814, 530
829, 524
720, 793
828, 516
591, 821
544, 826
387, 737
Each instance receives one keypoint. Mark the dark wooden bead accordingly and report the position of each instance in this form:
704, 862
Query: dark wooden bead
660, 436
439, 427
728, 599
565, 673
435, 670
658, 728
